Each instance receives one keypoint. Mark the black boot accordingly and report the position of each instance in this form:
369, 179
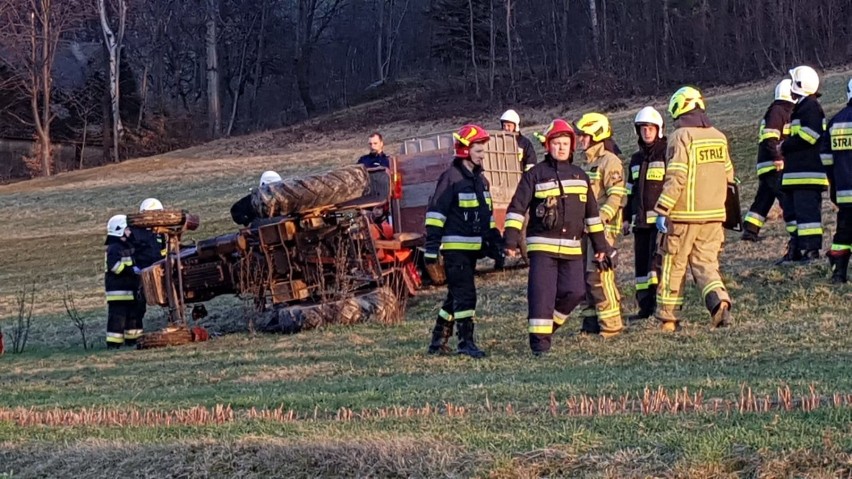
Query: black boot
839, 266
647, 304
749, 235
809, 255
467, 346
793, 253
440, 337
720, 311
590, 325
111, 345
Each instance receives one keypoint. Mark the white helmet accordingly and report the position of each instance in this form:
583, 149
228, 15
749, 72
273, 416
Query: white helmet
511, 116
269, 177
651, 116
782, 90
150, 204
805, 81
849, 90
116, 226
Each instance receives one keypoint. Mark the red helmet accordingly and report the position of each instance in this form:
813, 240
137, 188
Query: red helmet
557, 128
468, 135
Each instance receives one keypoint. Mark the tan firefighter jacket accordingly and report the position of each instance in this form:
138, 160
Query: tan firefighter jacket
606, 175
698, 169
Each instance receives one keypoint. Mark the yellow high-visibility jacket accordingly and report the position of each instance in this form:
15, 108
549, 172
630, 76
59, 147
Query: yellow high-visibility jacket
606, 175
698, 169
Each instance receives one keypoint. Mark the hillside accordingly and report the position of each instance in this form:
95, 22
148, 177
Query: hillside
368, 401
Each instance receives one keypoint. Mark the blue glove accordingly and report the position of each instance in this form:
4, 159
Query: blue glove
662, 226
137, 270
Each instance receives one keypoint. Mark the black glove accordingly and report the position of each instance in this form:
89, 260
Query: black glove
609, 261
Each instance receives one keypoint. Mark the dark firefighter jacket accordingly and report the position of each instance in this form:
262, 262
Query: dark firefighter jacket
774, 128
647, 174
120, 281
803, 168
837, 156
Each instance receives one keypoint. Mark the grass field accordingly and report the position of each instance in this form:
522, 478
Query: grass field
365, 401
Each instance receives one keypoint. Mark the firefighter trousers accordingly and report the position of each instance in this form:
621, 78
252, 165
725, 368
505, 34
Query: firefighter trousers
460, 304
768, 190
647, 269
806, 208
602, 297
118, 313
133, 327
555, 288
842, 240
697, 246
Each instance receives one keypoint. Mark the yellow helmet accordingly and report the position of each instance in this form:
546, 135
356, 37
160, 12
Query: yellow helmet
595, 125
685, 100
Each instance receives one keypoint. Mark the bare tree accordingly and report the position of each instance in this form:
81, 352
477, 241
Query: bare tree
473, 49
113, 41
75, 316
30, 31
214, 108
21, 330
314, 17
596, 35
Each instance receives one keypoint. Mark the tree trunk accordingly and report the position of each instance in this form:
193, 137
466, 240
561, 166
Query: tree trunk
214, 109
303, 79
258, 64
665, 45
492, 39
473, 49
509, 50
380, 37
113, 41
593, 19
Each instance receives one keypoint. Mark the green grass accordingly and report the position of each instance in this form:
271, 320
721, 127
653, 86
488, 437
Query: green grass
791, 330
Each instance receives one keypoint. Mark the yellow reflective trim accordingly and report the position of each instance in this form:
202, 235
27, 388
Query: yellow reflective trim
841, 247
469, 203
547, 248
518, 225
435, 222
462, 246
111, 339
597, 228
445, 315
804, 181
467, 313
810, 231
712, 286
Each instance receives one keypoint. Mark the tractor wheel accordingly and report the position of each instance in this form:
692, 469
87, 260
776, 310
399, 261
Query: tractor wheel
297, 194
155, 218
171, 336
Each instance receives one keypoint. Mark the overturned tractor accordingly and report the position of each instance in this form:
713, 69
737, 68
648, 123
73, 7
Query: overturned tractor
318, 254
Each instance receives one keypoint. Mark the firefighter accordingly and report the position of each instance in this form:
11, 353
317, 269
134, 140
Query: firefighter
510, 121
376, 157
243, 211
804, 178
774, 128
603, 309
148, 248
691, 209
646, 174
561, 204
121, 280
459, 225
837, 156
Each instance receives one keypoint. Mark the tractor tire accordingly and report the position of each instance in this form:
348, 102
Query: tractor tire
298, 194
172, 336
380, 306
156, 218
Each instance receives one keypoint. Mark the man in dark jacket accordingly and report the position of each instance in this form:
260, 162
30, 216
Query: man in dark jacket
121, 280
459, 220
645, 181
837, 156
243, 212
774, 128
376, 157
561, 207
804, 177
510, 121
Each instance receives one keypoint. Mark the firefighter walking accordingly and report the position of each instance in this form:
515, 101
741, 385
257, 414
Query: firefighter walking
774, 128
837, 156
691, 209
558, 196
458, 222
121, 281
645, 179
606, 174
804, 178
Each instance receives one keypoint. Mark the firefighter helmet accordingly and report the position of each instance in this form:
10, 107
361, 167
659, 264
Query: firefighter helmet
558, 128
269, 177
595, 125
684, 100
782, 90
511, 116
805, 81
849, 90
150, 204
468, 135
116, 226
649, 116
